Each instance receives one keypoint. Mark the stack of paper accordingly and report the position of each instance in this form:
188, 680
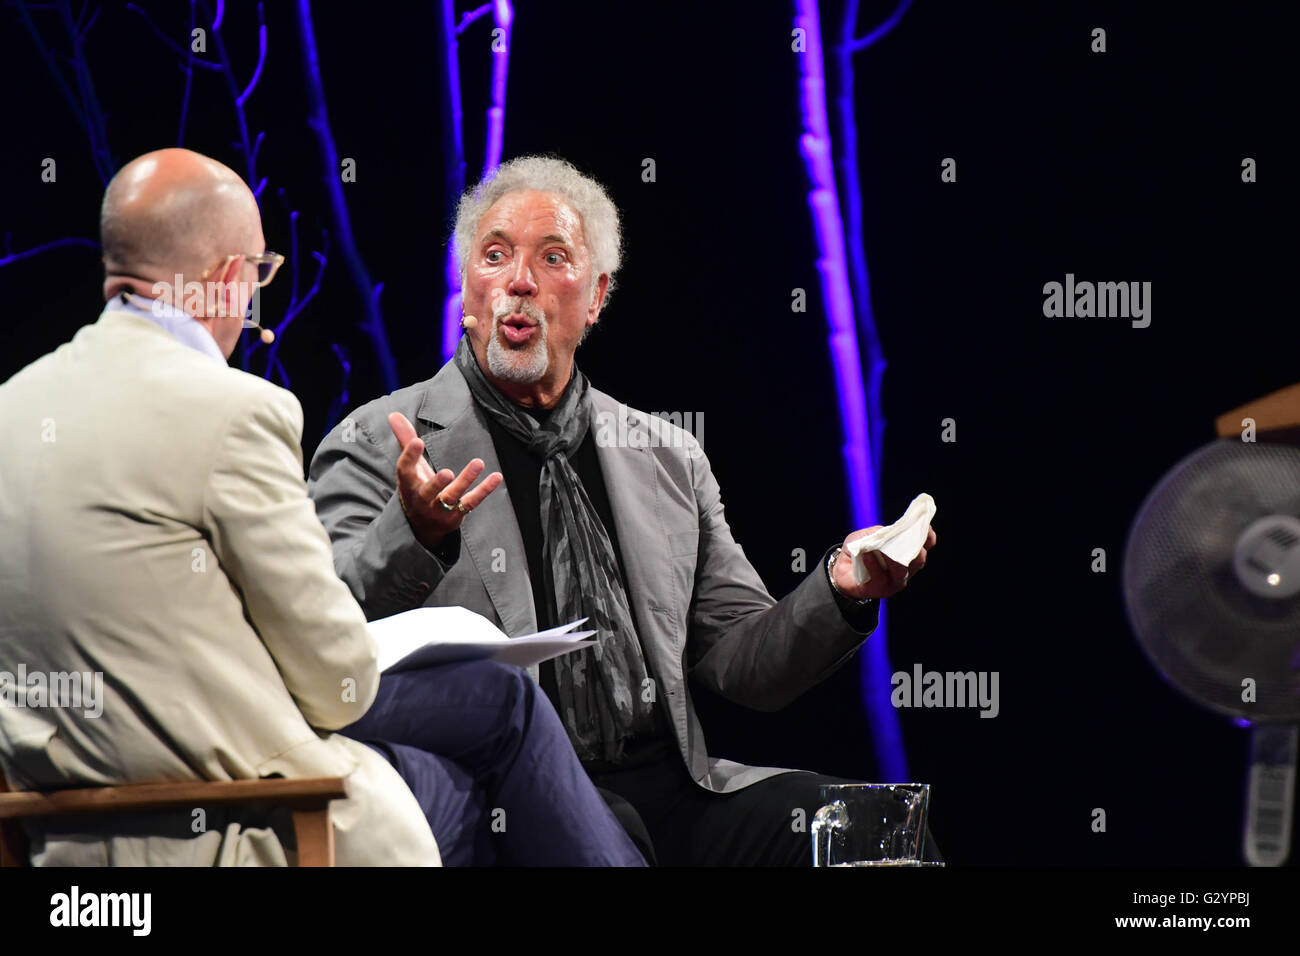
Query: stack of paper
440, 635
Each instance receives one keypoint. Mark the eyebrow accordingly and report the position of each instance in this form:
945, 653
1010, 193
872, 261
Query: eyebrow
500, 234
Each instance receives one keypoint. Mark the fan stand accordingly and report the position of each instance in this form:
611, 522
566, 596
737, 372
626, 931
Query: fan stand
1270, 793
1270, 786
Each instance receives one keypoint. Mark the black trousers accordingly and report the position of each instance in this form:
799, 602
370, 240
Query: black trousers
675, 822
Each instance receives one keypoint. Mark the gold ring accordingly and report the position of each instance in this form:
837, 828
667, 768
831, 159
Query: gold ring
460, 506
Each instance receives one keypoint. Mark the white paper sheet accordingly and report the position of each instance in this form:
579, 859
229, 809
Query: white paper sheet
440, 635
901, 541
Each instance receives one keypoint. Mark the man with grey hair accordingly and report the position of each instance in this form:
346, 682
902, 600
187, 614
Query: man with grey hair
623, 527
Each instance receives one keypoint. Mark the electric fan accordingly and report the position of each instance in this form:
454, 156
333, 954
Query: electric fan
1212, 586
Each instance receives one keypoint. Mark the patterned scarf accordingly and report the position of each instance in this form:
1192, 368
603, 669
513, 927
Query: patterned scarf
600, 686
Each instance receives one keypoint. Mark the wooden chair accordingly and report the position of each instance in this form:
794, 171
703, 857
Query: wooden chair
307, 798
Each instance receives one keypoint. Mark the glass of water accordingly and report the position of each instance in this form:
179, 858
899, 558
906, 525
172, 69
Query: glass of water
871, 824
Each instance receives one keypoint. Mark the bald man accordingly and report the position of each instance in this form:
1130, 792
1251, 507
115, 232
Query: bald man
161, 549
168, 222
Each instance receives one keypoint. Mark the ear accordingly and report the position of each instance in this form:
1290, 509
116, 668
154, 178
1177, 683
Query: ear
229, 289
598, 299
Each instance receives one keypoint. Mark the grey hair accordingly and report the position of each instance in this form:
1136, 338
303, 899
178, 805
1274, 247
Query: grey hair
587, 197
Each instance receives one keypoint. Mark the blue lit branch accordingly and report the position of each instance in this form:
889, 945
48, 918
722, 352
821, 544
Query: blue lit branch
11, 257
297, 302
84, 103
79, 93
454, 138
248, 150
845, 291
846, 166
318, 120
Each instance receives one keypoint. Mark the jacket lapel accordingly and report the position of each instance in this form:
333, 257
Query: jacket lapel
454, 431
634, 498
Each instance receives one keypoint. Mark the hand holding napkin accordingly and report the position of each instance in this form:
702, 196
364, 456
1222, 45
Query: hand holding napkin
901, 541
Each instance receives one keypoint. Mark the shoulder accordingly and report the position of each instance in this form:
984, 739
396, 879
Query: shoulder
224, 392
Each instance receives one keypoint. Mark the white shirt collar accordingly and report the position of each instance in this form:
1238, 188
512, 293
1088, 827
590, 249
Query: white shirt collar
184, 328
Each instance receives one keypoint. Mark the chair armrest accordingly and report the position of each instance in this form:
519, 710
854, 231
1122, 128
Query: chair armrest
301, 793
308, 799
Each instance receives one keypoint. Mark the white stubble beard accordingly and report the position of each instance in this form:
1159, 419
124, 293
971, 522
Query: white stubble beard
522, 366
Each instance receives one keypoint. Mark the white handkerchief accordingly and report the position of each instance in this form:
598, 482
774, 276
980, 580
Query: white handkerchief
902, 541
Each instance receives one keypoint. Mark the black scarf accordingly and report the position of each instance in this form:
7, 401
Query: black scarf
599, 687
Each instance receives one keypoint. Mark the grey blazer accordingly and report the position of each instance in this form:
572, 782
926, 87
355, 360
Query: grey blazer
700, 607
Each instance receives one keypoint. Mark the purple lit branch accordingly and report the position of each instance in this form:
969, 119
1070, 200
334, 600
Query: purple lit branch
297, 302
341, 399
846, 168
11, 257
261, 58
851, 20
185, 51
86, 89
468, 18
239, 97
189, 80
84, 103
318, 120
237, 100
454, 150
249, 152
816, 147
503, 17
222, 65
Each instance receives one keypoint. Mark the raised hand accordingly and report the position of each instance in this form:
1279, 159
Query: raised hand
435, 503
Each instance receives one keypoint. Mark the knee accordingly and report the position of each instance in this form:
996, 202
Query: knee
506, 683
494, 673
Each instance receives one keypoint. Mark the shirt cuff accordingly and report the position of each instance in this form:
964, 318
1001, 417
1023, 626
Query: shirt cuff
414, 569
447, 551
862, 616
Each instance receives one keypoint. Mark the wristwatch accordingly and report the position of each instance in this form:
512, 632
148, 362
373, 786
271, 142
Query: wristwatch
830, 563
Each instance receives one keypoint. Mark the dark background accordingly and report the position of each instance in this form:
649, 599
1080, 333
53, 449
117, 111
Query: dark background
1117, 166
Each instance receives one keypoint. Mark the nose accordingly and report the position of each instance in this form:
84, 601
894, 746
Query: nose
521, 279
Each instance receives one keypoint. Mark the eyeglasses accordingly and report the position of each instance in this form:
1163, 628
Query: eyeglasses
268, 263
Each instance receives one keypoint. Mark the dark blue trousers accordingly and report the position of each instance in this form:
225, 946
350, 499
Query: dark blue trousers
489, 762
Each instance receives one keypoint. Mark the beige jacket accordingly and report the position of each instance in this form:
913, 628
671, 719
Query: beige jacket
156, 536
